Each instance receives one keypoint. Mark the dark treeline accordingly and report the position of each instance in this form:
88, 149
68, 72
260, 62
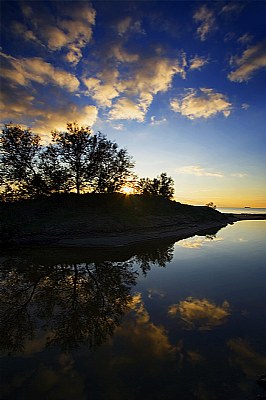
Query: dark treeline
76, 160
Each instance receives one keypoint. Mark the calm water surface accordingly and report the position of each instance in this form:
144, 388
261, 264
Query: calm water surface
184, 320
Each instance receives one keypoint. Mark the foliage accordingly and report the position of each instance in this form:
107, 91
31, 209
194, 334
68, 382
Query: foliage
160, 186
211, 205
76, 160
19, 150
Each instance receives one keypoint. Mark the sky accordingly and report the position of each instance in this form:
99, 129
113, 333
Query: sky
180, 84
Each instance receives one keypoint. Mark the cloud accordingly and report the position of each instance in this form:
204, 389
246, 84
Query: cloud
245, 106
197, 62
126, 25
197, 170
71, 30
123, 25
244, 39
23, 71
122, 55
125, 108
203, 103
155, 121
137, 86
200, 314
57, 119
252, 60
205, 17
102, 93
239, 175
232, 7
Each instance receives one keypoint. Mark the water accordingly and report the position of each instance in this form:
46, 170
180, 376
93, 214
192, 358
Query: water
184, 320
234, 210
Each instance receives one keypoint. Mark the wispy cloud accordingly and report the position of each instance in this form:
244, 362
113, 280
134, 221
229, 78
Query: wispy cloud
233, 7
202, 103
244, 39
197, 62
252, 60
206, 20
239, 175
155, 121
197, 170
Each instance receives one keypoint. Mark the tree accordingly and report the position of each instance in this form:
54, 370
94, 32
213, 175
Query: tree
211, 205
73, 149
112, 167
19, 150
160, 186
56, 175
93, 163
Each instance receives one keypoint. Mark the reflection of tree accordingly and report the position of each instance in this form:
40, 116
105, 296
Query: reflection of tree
76, 304
159, 256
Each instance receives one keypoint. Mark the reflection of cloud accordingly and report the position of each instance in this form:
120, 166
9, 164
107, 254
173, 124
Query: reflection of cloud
252, 60
155, 292
202, 103
145, 338
205, 17
198, 171
196, 242
251, 362
200, 314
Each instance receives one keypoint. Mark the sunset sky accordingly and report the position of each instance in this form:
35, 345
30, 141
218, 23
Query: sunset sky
181, 85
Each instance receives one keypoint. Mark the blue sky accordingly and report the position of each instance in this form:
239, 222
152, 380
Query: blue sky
180, 84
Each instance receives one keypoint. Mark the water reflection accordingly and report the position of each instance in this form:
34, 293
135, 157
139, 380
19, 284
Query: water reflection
73, 304
201, 314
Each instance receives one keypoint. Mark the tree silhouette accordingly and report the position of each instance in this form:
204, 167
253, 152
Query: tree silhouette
19, 150
160, 186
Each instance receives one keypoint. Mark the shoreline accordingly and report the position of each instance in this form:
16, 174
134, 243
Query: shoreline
129, 238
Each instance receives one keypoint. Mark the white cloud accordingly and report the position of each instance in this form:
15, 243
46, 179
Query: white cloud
125, 108
197, 170
203, 103
205, 17
25, 70
245, 106
252, 60
197, 62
